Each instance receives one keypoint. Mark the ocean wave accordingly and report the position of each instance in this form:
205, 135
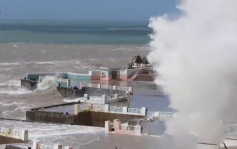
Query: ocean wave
14, 110
10, 64
76, 61
12, 82
13, 87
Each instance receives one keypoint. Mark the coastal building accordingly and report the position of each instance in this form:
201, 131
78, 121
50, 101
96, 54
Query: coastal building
128, 128
109, 73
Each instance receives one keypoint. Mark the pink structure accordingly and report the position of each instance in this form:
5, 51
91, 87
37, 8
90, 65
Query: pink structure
38, 145
117, 127
138, 69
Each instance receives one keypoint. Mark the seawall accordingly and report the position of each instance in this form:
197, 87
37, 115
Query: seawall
88, 118
7, 140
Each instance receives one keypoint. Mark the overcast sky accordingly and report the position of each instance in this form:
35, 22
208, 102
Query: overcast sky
85, 9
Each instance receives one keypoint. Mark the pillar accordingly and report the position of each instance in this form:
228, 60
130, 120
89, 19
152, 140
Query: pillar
68, 83
35, 145
86, 96
77, 109
117, 125
106, 108
57, 146
138, 130
104, 100
108, 126
130, 89
115, 96
24, 135
143, 111
125, 109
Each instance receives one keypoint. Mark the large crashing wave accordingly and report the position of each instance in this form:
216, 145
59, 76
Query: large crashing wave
195, 57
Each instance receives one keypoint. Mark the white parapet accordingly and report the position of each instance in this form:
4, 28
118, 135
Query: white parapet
86, 96
24, 135
98, 86
125, 110
115, 96
143, 111
130, 89
108, 126
57, 146
77, 109
106, 108
14, 133
38, 145
138, 130
68, 83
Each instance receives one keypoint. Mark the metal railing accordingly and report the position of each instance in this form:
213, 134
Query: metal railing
116, 109
134, 110
96, 98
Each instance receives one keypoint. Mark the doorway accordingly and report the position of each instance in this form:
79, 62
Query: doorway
114, 75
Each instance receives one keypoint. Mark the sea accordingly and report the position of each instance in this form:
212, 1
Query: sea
71, 46
75, 32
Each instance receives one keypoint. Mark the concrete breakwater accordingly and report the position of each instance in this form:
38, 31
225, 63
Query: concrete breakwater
83, 89
84, 114
7, 140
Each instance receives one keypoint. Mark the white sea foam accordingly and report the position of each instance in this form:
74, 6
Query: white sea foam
57, 133
195, 56
72, 100
13, 87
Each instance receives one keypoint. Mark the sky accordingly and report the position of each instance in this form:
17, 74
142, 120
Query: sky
85, 9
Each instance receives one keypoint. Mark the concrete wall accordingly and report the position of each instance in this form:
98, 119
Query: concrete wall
88, 118
49, 117
71, 93
29, 84
7, 140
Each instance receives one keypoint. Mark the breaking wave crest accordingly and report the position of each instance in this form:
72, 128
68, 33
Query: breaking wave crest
13, 87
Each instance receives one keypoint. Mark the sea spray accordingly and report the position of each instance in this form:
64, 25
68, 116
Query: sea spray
195, 58
46, 83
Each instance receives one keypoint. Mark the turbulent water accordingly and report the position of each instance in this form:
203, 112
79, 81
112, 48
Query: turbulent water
17, 59
45, 47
